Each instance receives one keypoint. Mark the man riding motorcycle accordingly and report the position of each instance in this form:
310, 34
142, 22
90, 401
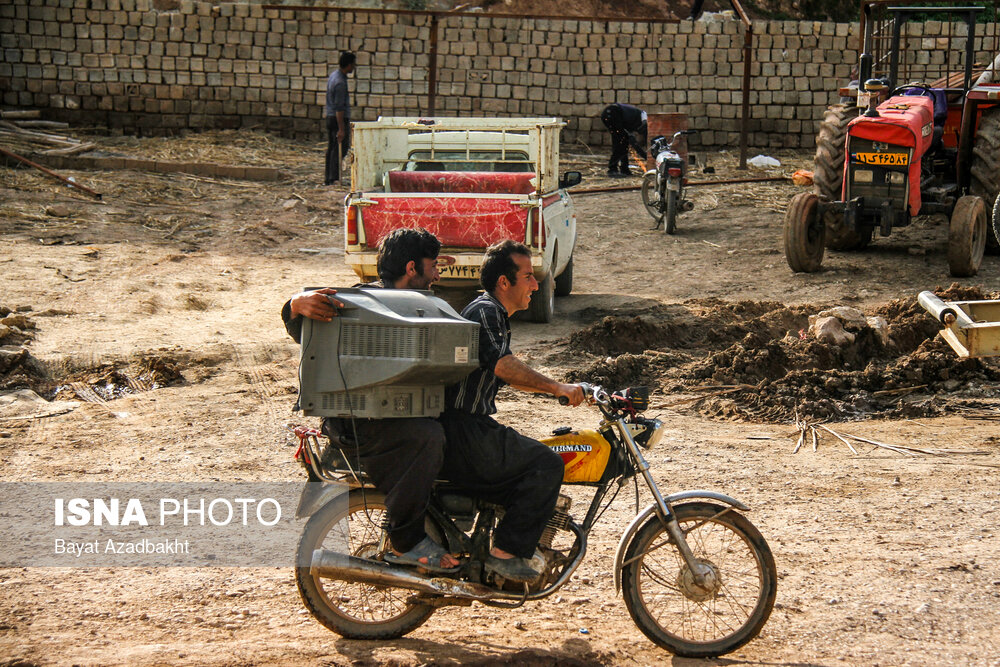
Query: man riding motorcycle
402, 455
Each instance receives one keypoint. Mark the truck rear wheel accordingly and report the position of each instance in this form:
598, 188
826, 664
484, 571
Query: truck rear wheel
986, 170
967, 236
828, 176
564, 281
543, 302
804, 234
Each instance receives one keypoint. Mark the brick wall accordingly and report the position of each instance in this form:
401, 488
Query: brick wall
128, 65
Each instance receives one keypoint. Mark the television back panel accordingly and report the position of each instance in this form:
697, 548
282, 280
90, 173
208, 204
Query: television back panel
388, 353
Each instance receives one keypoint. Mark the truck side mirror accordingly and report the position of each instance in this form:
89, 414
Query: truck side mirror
570, 178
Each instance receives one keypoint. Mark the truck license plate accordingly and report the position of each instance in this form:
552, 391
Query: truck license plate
457, 271
890, 159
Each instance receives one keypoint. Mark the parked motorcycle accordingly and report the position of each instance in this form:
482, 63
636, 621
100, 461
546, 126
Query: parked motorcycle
663, 187
697, 577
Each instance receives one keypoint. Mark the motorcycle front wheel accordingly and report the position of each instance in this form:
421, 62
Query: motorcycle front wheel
354, 610
651, 196
718, 615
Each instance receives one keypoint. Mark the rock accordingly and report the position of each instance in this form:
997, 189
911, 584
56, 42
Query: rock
5, 311
830, 330
851, 318
19, 321
11, 357
23, 309
58, 211
880, 327
916, 252
289, 204
5, 331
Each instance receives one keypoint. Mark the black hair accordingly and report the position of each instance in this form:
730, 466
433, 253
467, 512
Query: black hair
401, 247
499, 261
346, 59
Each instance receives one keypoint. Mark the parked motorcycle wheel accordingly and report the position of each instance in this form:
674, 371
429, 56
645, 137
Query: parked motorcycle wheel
682, 617
670, 217
805, 232
651, 196
967, 236
354, 610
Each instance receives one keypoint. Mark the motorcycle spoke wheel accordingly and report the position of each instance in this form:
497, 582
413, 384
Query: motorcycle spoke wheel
651, 197
354, 610
671, 215
718, 616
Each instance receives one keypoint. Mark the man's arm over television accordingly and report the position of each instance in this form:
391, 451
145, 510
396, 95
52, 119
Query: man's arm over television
314, 304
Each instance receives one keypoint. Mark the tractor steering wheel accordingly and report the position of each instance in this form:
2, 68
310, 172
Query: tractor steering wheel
925, 90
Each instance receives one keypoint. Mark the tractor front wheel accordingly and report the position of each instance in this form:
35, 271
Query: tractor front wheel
967, 236
805, 233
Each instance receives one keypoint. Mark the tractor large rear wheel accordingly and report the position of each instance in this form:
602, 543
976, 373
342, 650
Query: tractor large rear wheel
986, 170
967, 237
828, 176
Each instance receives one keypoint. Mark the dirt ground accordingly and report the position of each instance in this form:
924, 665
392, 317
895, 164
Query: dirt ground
158, 309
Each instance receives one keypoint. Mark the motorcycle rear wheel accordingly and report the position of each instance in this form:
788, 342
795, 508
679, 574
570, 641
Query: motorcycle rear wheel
354, 610
651, 196
692, 621
670, 219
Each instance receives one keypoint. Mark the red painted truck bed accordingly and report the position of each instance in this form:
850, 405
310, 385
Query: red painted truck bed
459, 222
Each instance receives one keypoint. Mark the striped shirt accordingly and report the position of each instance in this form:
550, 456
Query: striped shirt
478, 391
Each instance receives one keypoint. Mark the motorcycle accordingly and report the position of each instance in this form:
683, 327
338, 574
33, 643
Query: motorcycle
663, 187
697, 577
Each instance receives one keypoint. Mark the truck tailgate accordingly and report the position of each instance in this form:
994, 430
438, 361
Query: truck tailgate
458, 222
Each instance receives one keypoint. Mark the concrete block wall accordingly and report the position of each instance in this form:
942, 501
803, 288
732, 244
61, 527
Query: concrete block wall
132, 66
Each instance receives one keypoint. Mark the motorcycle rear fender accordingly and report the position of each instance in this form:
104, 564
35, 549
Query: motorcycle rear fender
315, 495
641, 518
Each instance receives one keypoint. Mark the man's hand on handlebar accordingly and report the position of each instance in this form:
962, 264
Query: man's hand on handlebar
316, 304
570, 394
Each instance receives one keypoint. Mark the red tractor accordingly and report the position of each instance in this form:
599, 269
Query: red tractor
927, 140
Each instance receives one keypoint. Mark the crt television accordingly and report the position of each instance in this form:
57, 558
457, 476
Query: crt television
387, 353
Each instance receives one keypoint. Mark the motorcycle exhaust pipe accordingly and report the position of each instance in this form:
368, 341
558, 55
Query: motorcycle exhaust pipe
687, 205
332, 565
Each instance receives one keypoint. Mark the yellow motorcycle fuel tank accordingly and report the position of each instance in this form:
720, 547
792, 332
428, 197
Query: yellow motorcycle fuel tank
585, 454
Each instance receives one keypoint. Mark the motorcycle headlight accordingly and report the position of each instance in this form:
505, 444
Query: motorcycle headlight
647, 433
655, 433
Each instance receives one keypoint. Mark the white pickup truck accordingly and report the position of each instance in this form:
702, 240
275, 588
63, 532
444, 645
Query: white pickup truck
471, 182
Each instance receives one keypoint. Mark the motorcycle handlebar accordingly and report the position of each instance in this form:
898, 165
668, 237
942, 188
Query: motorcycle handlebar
591, 392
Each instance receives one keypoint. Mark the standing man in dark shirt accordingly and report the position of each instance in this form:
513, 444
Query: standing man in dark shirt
338, 117
402, 456
492, 461
627, 125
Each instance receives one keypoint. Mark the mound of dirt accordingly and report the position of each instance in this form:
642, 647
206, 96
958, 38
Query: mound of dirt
18, 369
756, 361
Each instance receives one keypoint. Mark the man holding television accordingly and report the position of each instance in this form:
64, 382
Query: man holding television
492, 461
402, 456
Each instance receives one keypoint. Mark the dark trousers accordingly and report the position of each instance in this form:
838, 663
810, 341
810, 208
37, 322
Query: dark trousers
496, 463
402, 457
619, 151
332, 156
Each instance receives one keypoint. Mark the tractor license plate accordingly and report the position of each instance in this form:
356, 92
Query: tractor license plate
864, 99
889, 159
